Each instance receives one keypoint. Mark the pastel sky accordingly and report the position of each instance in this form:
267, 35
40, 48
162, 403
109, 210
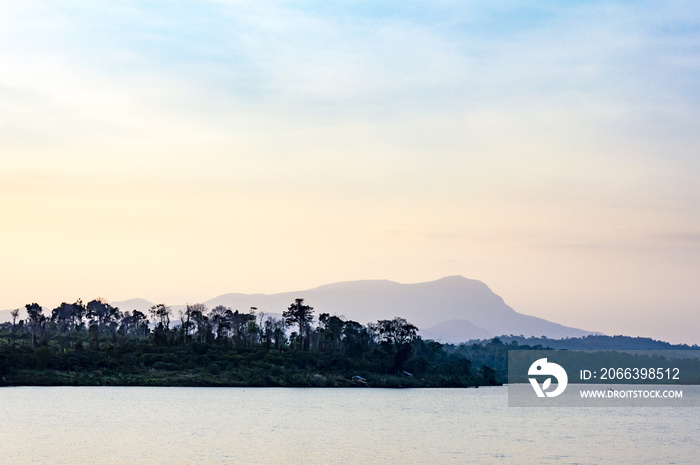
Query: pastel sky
180, 150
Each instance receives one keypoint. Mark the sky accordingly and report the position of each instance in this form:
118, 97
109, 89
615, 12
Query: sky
176, 151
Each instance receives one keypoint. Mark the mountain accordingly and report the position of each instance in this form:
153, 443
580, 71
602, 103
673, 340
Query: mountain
594, 342
455, 331
142, 305
451, 309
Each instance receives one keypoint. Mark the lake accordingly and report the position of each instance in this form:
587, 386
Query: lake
139, 425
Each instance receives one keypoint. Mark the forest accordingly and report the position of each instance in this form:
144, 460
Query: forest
592, 342
99, 344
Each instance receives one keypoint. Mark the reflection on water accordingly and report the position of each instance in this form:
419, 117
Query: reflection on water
112, 425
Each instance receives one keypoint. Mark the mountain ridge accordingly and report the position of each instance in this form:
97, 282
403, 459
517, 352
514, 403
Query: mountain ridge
449, 309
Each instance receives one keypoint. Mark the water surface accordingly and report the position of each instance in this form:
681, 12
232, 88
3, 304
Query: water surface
123, 425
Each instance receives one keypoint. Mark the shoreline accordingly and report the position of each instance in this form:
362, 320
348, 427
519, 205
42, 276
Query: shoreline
50, 378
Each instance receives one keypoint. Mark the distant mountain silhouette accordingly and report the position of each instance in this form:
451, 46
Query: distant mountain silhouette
452, 309
592, 342
142, 305
455, 331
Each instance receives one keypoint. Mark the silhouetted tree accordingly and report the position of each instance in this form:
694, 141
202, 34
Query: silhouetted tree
236, 348
77, 315
268, 326
36, 320
221, 320
15, 314
140, 323
396, 336
356, 338
62, 317
252, 331
301, 315
239, 325
185, 323
397, 331
102, 313
161, 314
198, 314
278, 332
331, 331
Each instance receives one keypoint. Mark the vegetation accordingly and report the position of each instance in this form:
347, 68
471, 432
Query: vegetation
609, 350
98, 344
591, 342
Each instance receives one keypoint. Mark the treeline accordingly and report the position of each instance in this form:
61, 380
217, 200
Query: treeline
600, 351
97, 343
590, 342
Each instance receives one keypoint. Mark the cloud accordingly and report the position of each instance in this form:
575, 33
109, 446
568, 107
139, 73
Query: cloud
400, 133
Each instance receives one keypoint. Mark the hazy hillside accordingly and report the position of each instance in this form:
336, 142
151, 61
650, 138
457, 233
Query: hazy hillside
451, 309
142, 305
454, 331
591, 342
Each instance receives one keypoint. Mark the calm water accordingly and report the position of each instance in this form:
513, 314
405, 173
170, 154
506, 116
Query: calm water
110, 425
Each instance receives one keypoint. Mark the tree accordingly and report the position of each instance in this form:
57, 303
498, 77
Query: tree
299, 314
134, 324
194, 315
397, 335
62, 316
277, 330
487, 376
268, 327
331, 330
77, 315
356, 338
240, 326
15, 314
102, 313
221, 317
140, 323
161, 314
185, 324
252, 331
397, 331
37, 321
198, 314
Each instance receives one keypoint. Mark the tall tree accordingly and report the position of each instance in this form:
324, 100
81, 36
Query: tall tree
331, 330
239, 325
185, 324
37, 321
140, 323
161, 314
102, 313
62, 316
77, 315
221, 317
397, 331
356, 338
299, 314
198, 314
396, 336
15, 314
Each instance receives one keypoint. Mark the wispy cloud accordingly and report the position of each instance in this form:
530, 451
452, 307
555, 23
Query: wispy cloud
407, 135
